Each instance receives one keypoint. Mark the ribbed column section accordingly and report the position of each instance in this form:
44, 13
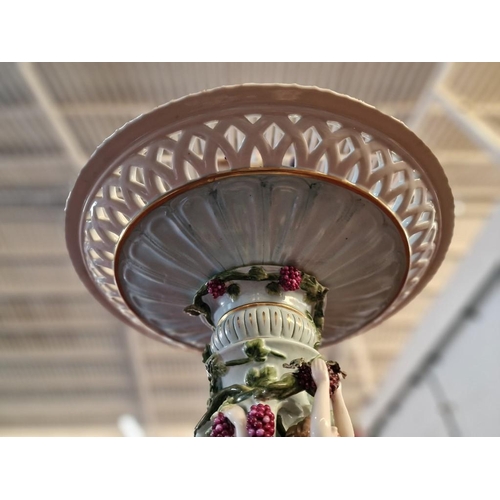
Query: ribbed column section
263, 321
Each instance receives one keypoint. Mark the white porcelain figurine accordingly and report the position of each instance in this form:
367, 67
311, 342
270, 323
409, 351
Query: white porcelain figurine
320, 413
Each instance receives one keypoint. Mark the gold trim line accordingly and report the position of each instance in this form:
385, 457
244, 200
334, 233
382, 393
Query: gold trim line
269, 304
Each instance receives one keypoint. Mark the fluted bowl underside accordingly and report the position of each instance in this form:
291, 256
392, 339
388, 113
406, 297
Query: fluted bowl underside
328, 229
260, 128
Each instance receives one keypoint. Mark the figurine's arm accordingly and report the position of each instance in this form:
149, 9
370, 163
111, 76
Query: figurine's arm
341, 415
236, 415
321, 425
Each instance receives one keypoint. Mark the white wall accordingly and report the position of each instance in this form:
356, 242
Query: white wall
447, 380
459, 391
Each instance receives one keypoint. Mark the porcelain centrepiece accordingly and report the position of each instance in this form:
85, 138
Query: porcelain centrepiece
253, 179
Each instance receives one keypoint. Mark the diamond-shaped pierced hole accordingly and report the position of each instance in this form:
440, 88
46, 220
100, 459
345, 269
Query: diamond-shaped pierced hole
120, 217
398, 179
366, 137
415, 257
353, 174
312, 137
107, 271
290, 157
411, 275
112, 236
175, 135
376, 188
235, 137
377, 161
415, 237
273, 135
334, 126
212, 124
197, 146
256, 159
97, 274
136, 176
221, 161
190, 171
139, 200
396, 202
424, 217
161, 185
406, 222
94, 254
94, 235
322, 166
294, 118
429, 236
115, 193
143, 152
416, 198
164, 157
254, 118
346, 147
395, 157
101, 213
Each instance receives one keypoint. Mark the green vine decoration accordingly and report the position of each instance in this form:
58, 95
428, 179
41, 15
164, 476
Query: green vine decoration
298, 363
216, 368
273, 288
287, 386
261, 378
207, 352
233, 290
315, 293
224, 396
255, 350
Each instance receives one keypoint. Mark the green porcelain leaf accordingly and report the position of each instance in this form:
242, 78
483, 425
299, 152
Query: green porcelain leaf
262, 377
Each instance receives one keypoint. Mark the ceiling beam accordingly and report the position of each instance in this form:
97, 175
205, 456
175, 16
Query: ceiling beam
44, 99
470, 123
423, 105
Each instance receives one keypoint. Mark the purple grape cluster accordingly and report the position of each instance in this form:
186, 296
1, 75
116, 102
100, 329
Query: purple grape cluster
216, 287
290, 278
222, 426
306, 381
260, 421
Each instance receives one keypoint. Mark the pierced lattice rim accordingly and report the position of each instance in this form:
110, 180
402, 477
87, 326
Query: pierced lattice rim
176, 114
